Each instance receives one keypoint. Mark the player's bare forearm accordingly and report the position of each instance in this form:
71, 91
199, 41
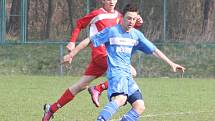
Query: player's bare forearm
70, 46
69, 57
161, 55
83, 44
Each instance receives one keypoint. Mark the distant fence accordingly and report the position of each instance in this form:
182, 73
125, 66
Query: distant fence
166, 20
30, 45
44, 58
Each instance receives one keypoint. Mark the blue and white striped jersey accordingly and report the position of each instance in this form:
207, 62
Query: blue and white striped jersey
120, 46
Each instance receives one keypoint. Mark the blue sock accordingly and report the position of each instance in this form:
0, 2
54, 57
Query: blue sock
132, 115
108, 111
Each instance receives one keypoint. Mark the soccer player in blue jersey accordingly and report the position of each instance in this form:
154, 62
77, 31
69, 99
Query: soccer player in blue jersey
121, 42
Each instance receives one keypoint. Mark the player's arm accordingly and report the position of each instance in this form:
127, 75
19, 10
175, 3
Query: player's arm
149, 48
101, 38
97, 40
80, 24
83, 44
161, 55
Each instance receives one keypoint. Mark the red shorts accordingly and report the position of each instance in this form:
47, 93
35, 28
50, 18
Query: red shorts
97, 67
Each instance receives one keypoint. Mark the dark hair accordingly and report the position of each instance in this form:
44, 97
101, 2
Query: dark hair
130, 8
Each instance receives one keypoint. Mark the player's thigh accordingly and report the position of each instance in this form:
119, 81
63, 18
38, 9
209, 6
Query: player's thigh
96, 68
118, 85
82, 84
87, 79
101, 62
120, 99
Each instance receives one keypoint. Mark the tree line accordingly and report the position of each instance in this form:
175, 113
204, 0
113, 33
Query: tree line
187, 20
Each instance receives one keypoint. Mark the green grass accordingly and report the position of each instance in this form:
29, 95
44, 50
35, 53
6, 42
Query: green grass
43, 59
166, 99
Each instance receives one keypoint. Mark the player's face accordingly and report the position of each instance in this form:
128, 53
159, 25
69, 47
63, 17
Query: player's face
129, 20
109, 5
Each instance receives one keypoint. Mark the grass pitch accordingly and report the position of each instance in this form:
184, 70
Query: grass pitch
166, 99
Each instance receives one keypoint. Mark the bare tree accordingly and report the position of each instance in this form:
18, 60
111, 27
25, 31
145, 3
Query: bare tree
186, 19
70, 8
209, 8
48, 19
14, 19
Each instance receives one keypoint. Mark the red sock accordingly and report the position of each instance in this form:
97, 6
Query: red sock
63, 100
101, 87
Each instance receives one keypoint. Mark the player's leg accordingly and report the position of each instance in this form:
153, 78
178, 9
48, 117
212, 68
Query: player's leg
112, 107
100, 87
117, 94
104, 86
98, 68
67, 96
133, 71
97, 90
138, 107
70, 93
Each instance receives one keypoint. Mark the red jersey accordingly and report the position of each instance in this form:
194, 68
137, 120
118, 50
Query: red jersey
98, 20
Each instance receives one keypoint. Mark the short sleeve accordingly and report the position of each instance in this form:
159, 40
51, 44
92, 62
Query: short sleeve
101, 37
145, 45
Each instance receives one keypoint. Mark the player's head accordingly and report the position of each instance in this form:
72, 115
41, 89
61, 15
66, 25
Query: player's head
109, 5
130, 14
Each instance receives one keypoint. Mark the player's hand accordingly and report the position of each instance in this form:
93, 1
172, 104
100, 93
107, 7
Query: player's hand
139, 21
67, 60
178, 68
70, 46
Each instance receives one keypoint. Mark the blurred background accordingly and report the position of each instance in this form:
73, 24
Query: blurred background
34, 33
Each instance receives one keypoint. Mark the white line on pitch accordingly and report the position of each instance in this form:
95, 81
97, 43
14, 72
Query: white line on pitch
170, 114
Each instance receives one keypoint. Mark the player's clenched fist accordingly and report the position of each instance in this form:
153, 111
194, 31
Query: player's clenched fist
67, 59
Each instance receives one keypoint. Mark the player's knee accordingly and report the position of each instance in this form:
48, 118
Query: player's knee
141, 109
139, 106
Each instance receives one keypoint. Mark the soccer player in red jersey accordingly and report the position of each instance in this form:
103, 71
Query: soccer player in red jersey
98, 19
